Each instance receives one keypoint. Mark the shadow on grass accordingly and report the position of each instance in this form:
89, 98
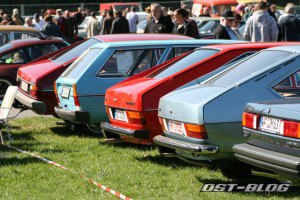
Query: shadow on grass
171, 162
126, 145
293, 191
12, 161
65, 131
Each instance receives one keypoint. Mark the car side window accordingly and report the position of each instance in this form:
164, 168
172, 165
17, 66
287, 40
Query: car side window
177, 51
286, 88
14, 57
37, 51
121, 61
148, 60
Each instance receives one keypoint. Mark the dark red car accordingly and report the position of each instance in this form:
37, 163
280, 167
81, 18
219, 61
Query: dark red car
19, 52
132, 104
35, 81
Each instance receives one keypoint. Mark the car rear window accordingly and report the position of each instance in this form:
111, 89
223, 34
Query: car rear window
259, 61
83, 62
188, 60
74, 52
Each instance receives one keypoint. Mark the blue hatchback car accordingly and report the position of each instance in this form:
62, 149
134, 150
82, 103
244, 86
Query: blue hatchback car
81, 88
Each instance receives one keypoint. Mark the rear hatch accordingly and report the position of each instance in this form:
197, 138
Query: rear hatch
128, 95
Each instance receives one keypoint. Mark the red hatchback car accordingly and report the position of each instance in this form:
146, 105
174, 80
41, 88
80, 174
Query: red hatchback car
132, 104
35, 81
19, 52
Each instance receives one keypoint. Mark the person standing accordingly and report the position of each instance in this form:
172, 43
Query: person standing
61, 23
92, 26
236, 25
120, 24
133, 20
72, 28
289, 25
182, 25
224, 31
158, 23
50, 28
17, 19
107, 23
261, 27
38, 22
79, 16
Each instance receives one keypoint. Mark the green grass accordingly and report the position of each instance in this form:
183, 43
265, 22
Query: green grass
135, 171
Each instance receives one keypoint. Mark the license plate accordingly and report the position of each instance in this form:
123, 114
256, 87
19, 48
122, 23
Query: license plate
176, 127
65, 93
270, 125
24, 86
120, 115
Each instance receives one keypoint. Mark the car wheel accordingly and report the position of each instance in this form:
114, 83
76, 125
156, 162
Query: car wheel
4, 84
94, 128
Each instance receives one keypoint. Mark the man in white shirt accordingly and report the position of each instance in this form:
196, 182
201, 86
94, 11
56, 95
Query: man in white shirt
133, 20
38, 22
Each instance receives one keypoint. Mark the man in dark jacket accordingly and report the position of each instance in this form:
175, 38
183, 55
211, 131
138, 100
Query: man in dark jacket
50, 28
120, 24
159, 23
71, 28
224, 31
289, 25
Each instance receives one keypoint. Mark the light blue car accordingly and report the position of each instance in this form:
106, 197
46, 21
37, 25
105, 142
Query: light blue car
81, 88
203, 122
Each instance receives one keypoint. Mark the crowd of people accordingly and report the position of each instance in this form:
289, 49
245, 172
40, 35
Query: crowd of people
263, 22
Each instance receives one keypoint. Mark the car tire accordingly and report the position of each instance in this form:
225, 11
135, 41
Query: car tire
94, 128
4, 84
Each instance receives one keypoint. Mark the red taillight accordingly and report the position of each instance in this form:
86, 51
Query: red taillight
75, 96
108, 112
161, 121
195, 131
135, 117
290, 129
250, 120
33, 91
55, 91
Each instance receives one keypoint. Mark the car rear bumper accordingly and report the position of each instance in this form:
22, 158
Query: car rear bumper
267, 159
184, 146
82, 117
139, 134
35, 105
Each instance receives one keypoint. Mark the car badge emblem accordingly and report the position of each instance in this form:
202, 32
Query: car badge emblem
115, 100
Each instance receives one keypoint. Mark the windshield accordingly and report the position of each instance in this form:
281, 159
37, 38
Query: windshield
83, 62
209, 27
74, 52
218, 10
259, 61
188, 60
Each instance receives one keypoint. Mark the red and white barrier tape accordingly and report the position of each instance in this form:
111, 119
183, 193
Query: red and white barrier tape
107, 189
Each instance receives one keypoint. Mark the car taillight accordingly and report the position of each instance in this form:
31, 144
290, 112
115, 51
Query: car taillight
135, 117
290, 129
162, 123
195, 131
56, 93
250, 120
33, 90
108, 112
75, 96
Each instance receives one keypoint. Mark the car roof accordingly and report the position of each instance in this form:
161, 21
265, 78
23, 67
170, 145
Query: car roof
160, 42
17, 28
135, 37
294, 48
28, 42
262, 45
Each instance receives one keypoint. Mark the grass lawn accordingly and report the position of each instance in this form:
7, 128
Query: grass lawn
135, 171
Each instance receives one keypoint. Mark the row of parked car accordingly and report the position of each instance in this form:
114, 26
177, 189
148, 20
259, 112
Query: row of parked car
183, 95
